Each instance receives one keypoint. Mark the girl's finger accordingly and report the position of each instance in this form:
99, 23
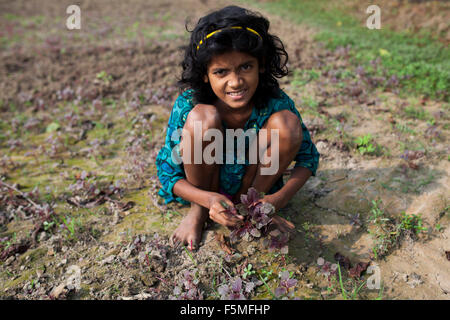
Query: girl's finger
283, 224
228, 205
230, 208
224, 218
232, 216
217, 217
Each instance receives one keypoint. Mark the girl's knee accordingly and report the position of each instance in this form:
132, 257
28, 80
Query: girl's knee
289, 126
206, 114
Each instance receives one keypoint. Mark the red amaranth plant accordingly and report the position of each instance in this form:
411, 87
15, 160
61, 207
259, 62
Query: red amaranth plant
232, 290
286, 283
187, 289
278, 241
257, 216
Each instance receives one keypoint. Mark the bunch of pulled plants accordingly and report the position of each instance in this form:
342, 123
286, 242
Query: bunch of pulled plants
257, 216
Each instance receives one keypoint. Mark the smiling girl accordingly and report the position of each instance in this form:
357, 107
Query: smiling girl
229, 82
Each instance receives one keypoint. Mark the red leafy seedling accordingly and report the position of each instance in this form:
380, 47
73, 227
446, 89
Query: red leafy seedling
257, 216
343, 261
278, 241
285, 284
232, 291
356, 271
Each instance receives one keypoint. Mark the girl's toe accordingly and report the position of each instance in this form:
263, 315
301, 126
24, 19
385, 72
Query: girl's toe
174, 241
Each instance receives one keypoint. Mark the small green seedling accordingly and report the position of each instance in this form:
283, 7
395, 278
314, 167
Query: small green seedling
106, 78
266, 274
70, 226
10, 241
190, 255
364, 145
412, 222
248, 271
48, 225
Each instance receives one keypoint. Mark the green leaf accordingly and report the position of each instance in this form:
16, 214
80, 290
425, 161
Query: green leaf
54, 126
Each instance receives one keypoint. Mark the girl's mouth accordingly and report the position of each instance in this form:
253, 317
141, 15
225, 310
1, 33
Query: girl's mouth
237, 95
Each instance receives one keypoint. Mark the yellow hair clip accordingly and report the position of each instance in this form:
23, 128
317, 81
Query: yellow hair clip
219, 30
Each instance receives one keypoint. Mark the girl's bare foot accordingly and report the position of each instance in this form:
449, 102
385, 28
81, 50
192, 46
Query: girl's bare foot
189, 232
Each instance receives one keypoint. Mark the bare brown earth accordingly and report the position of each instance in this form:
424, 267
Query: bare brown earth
412, 16
137, 46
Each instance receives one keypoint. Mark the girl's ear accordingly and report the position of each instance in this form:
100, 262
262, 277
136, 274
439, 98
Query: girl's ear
205, 78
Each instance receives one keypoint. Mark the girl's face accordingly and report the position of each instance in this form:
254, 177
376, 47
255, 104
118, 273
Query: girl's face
233, 77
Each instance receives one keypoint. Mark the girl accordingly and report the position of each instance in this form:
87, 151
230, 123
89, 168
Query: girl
229, 82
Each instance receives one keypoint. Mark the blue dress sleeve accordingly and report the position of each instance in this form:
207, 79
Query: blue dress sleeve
168, 169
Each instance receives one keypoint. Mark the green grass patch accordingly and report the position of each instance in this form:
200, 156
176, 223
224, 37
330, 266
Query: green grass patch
302, 77
387, 232
416, 113
421, 64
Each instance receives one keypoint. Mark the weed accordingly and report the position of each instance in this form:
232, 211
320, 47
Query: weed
190, 255
69, 225
310, 103
268, 288
377, 216
356, 287
169, 214
48, 225
267, 274
364, 144
417, 187
248, 271
343, 291
380, 293
5, 243
383, 230
302, 77
405, 129
416, 113
411, 222
307, 229
103, 76
388, 232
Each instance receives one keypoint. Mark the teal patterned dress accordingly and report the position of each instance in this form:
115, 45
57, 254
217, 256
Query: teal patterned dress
230, 174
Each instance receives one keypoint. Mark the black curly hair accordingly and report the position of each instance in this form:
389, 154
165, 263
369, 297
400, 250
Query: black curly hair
267, 48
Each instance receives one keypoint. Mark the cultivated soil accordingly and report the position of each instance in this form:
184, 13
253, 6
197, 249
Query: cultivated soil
83, 115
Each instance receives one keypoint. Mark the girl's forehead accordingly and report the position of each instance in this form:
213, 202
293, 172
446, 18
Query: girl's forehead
231, 58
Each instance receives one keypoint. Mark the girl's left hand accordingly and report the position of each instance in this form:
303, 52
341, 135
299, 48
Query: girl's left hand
282, 224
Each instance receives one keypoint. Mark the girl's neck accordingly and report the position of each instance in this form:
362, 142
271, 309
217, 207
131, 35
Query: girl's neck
234, 118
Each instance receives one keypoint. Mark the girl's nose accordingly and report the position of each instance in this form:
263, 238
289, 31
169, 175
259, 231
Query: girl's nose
235, 80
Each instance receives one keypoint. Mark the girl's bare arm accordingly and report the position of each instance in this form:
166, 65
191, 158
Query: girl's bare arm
191, 193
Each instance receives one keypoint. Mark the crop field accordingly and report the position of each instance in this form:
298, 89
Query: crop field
84, 114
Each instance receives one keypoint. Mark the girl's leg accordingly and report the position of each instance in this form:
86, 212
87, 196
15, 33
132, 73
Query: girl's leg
204, 176
290, 140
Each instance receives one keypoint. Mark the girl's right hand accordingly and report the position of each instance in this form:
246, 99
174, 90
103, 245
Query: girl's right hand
225, 216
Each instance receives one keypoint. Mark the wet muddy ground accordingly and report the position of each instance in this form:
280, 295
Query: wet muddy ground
84, 115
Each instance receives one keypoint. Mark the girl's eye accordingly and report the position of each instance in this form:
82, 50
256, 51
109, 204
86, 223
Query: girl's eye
219, 72
246, 67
